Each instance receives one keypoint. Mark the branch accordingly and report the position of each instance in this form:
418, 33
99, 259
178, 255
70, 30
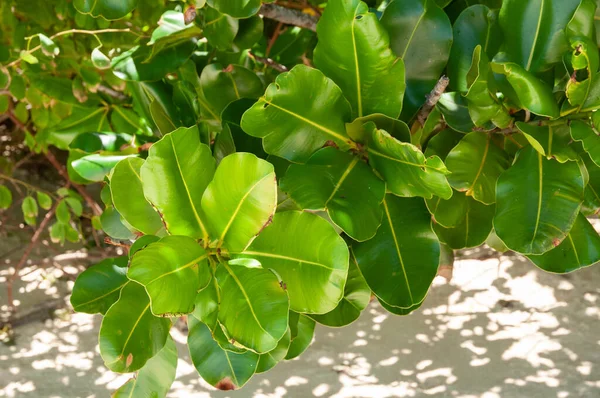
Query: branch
269, 62
116, 95
432, 99
289, 16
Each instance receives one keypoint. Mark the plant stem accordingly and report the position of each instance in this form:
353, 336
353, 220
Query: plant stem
26, 185
289, 16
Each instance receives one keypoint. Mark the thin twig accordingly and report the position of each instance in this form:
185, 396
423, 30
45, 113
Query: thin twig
432, 99
273, 38
289, 16
269, 62
117, 95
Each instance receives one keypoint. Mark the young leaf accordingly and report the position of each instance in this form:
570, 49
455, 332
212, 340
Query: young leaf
369, 74
172, 270
551, 141
343, 185
130, 335
98, 287
543, 195
308, 255
5, 197
44, 200
29, 207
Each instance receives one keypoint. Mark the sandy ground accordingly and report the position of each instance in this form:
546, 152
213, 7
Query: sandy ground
501, 328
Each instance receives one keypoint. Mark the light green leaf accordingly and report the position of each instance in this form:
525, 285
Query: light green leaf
237, 9
95, 167
302, 330
369, 74
400, 262
220, 29
175, 175
128, 197
29, 207
254, 307
99, 59
240, 200
343, 185
44, 200
475, 165
308, 255
108, 9
405, 169
292, 127
98, 287
113, 226
130, 335
419, 30
5, 197
172, 271
49, 47
218, 367
543, 195
81, 120
155, 378
581, 131
551, 141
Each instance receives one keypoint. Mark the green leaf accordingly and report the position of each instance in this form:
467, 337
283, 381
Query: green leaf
254, 309
95, 167
580, 249
405, 169
369, 74
113, 226
343, 185
240, 200
172, 270
58, 234
585, 61
175, 175
582, 23
483, 105
128, 197
17, 88
400, 262
98, 287
442, 143
448, 213
475, 165
5, 197
472, 221
107, 9
419, 30
455, 109
308, 255
532, 93
155, 378
302, 330
141, 243
49, 48
293, 128
63, 215
357, 295
218, 367
250, 32
476, 26
551, 141
268, 360
358, 130
220, 29
580, 131
130, 335
236, 9
543, 195
99, 59
534, 31
29, 207
81, 120
28, 57
398, 310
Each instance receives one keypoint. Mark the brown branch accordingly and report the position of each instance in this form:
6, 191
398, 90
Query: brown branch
289, 16
25, 256
269, 62
116, 95
432, 99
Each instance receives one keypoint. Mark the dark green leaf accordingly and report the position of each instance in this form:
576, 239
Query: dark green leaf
98, 287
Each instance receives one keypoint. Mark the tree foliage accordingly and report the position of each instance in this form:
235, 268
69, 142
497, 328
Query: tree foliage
269, 177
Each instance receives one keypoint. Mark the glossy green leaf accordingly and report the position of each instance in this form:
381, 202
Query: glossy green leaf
29, 207
476, 26
172, 271
448, 213
44, 200
107, 9
544, 195
220, 29
240, 200
398, 310
584, 58
357, 295
98, 287
369, 74
581, 131
171, 31
405, 169
237, 9
113, 226
292, 127
582, 23
343, 185
254, 310
95, 167
268, 360
128, 197
99, 59
81, 120
472, 226
130, 335
359, 130
581, 248
249, 33
419, 30
551, 141
5, 197
400, 262
533, 30
141, 242
220, 368
302, 330
455, 109
442, 143
308, 255
531, 92
155, 378
175, 175
475, 165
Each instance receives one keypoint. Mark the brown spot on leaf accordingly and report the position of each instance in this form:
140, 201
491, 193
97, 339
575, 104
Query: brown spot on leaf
225, 385
283, 285
228, 69
269, 221
555, 242
129, 360
330, 143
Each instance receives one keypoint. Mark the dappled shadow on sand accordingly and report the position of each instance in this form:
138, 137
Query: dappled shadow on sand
500, 328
